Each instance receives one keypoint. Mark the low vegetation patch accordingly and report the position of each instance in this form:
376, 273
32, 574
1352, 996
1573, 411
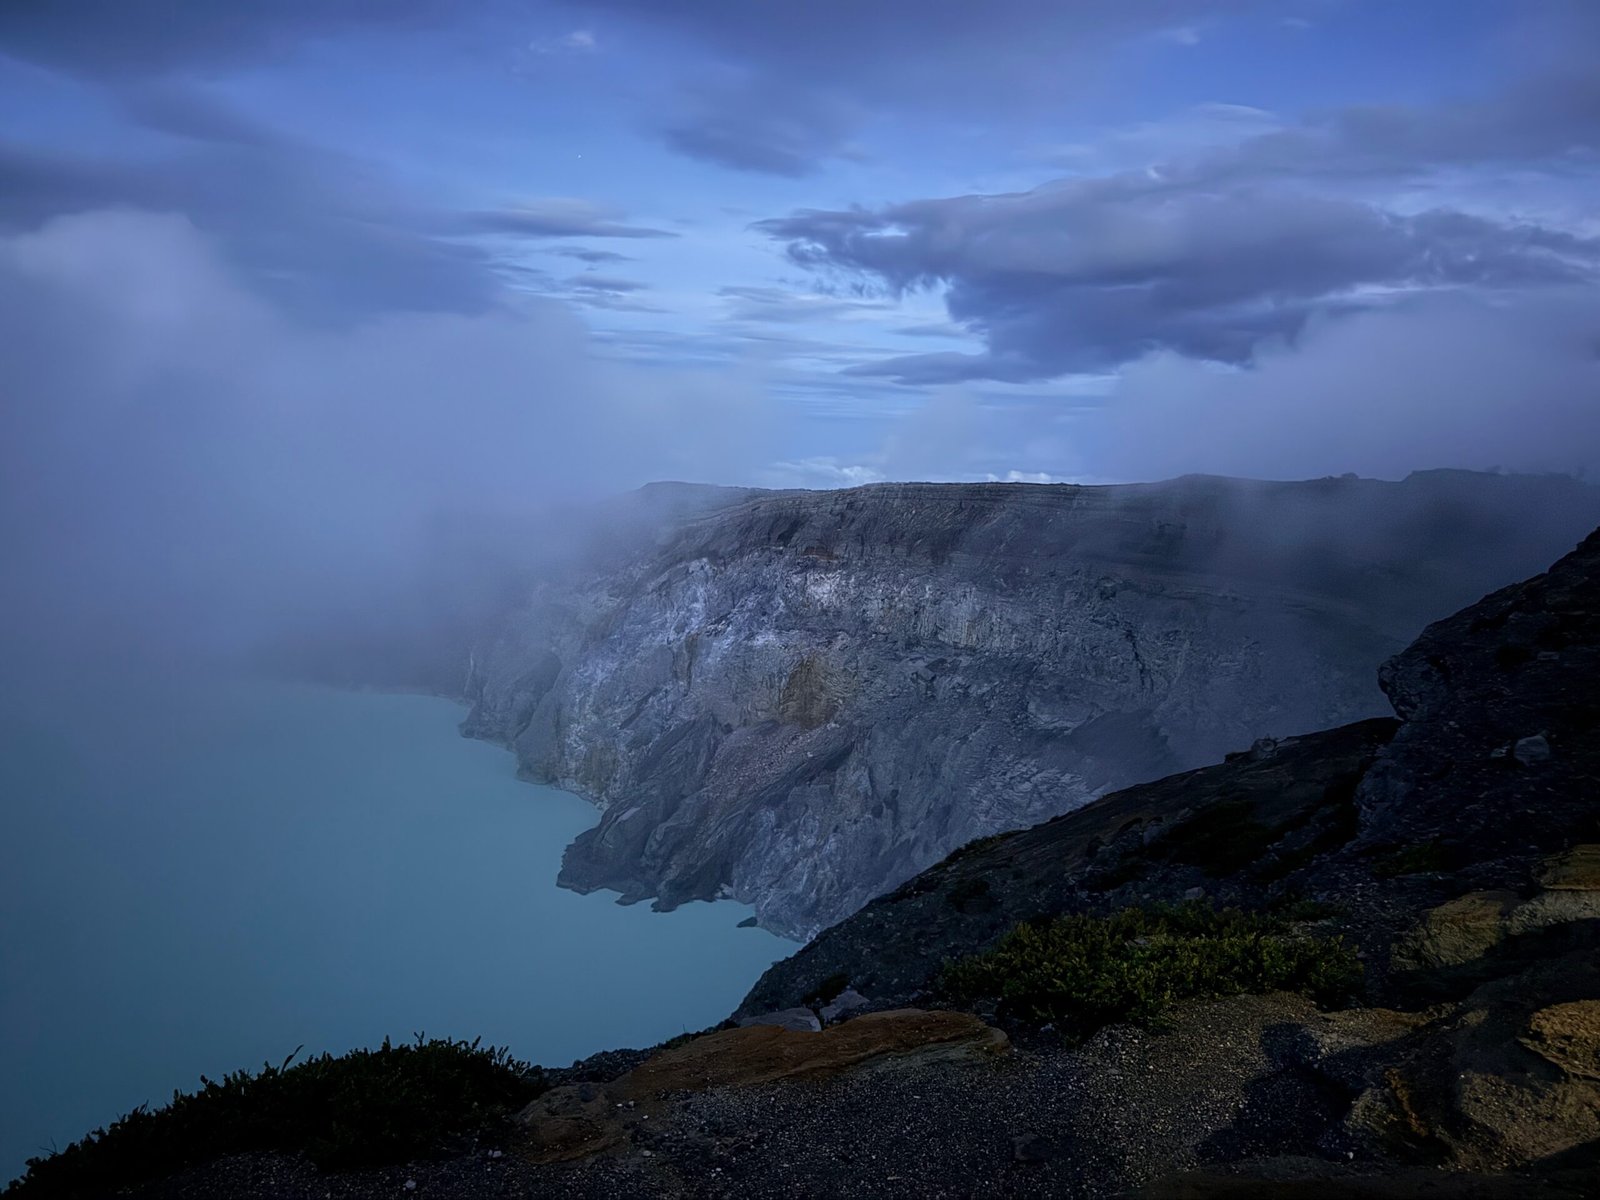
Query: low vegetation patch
364, 1108
1079, 973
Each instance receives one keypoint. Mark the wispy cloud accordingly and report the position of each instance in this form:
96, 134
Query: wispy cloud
557, 217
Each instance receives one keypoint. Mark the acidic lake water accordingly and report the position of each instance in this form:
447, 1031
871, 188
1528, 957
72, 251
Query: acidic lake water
199, 878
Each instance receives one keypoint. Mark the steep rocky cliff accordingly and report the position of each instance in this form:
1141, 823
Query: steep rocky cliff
1445, 860
801, 699
1485, 781
1455, 850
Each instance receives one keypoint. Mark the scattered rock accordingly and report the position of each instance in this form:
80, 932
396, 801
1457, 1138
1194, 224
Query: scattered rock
1195, 893
1531, 751
1263, 748
1461, 931
1578, 870
1567, 1035
845, 1002
562, 1127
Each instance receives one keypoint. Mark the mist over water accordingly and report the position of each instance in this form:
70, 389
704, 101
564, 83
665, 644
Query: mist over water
200, 874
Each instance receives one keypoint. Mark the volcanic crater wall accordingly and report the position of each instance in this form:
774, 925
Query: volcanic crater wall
801, 699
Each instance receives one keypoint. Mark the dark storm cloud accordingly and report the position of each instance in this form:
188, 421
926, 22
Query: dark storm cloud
1084, 276
123, 38
557, 219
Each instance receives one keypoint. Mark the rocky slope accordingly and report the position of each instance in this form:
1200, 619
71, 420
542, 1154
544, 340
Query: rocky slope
801, 699
1457, 846
1481, 789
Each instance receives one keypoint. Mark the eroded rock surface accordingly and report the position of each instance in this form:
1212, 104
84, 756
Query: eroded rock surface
801, 699
1464, 873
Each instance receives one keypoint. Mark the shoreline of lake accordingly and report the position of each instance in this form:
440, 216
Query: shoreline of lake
203, 875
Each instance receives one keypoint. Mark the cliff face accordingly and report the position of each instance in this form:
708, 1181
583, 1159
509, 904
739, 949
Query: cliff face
801, 699
1458, 848
1485, 782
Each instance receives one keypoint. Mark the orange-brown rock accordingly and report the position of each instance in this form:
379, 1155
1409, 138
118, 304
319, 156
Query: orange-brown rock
580, 1120
762, 1053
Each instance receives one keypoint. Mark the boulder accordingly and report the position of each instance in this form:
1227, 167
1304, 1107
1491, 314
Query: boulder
1531, 751
1461, 931
843, 1004
1567, 1035
1578, 870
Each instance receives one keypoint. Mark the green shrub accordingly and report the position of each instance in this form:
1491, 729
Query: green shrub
363, 1108
1080, 973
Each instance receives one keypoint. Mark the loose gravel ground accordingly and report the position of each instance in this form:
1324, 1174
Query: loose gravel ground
1038, 1121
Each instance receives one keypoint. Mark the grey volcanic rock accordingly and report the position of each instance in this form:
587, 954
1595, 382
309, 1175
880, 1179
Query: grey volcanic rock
1468, 882
1432, 851
802, 699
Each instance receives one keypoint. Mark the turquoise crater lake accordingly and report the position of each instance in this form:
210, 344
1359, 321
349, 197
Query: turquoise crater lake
195, 878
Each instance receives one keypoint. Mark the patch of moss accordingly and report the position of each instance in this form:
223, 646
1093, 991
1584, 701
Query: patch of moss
364, 1108
1079, 973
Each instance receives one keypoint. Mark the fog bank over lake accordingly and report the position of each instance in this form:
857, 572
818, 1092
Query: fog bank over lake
196, 877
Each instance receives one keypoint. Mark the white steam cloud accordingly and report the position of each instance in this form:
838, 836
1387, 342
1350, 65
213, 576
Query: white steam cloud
174, 450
